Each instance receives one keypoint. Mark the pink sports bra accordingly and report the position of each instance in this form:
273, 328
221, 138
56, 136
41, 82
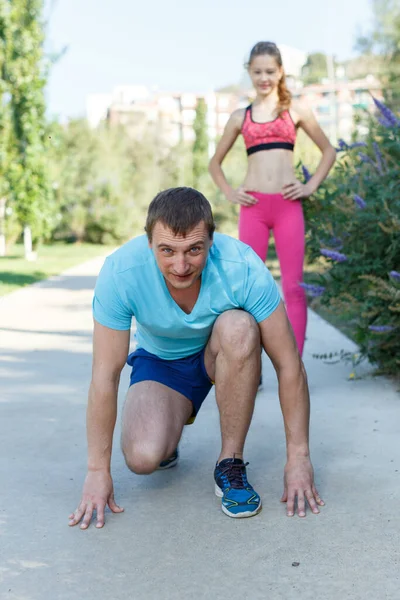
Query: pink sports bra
279, 133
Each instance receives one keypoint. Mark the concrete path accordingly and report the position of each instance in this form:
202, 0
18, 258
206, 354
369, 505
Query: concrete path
173, 542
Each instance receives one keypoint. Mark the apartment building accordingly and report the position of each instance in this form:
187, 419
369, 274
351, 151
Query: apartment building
170, 116
336, 104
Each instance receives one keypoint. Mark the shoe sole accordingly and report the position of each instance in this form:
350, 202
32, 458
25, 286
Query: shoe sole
243, 515
173, 463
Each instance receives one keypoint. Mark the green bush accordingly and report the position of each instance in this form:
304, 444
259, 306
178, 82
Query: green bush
104, 180
354, 223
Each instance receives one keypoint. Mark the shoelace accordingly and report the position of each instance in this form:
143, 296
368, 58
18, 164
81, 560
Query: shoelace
236, 475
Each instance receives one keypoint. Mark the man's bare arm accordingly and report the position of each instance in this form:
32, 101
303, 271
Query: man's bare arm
280, 345
110, 350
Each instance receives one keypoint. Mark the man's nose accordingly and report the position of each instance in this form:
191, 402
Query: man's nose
181, 266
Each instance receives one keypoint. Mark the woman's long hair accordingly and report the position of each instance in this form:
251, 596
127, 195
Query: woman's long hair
262, 48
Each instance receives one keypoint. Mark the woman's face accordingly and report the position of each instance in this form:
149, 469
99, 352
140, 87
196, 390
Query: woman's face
265, 74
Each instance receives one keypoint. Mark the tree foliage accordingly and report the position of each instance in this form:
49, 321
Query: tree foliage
5, 115
383, 40
315, 68
200, 146
29, 183
354, 223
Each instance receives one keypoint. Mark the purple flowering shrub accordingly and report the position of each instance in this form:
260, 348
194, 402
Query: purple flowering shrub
353, 230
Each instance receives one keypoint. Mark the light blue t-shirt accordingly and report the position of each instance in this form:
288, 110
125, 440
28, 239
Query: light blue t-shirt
130, 284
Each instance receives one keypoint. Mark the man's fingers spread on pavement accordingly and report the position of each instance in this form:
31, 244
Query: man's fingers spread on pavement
311, 502
301, 504
114, 507
100, 516
318, 497
290, 505
77, 515
87, 518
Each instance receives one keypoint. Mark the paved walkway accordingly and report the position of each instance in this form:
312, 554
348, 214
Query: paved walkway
173, 541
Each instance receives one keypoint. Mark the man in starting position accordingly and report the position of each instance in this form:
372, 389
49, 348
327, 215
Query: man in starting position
204, 303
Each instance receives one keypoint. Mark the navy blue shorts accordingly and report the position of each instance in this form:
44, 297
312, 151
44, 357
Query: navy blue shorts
188, 375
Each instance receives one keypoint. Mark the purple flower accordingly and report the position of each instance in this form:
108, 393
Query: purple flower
358, 145
387, 114
381, 328
395, 275
342, 146
313, 290
384, 122
366, 159
359, 201
333, 255
379, 157
306, 173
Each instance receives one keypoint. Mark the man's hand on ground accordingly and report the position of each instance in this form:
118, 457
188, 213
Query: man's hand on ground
299, 484
98, 491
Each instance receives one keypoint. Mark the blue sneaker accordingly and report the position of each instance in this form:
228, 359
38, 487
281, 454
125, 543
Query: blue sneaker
238, 497
169, 462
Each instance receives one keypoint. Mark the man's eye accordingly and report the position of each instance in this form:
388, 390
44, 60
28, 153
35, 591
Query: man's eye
166, 250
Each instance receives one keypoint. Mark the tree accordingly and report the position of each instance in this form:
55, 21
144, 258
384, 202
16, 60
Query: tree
384, 41
5, 117
104, 179
315, 69
200, 146
29, 181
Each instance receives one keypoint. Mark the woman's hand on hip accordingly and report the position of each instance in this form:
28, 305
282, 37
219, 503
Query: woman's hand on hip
240, 196
296, 190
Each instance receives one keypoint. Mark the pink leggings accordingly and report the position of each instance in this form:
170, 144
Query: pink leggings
285, 218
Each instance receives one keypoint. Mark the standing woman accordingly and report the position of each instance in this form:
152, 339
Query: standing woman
270, 197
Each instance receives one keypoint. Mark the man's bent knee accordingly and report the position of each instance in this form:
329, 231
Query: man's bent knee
142, 460
238, 331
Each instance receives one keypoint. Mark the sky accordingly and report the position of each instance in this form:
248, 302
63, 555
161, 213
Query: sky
182, 45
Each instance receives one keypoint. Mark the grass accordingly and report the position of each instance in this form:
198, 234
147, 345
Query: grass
16, 272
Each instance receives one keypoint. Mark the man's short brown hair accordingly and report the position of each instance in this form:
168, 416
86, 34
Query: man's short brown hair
180, 209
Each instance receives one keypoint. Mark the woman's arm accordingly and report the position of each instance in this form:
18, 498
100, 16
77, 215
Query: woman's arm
309, 124
231, 132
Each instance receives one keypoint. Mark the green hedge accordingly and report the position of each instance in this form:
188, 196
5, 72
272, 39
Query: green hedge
354, 223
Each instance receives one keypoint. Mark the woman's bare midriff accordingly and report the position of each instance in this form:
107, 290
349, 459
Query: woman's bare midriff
268, 171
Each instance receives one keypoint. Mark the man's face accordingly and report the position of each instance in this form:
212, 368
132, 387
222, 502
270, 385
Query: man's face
181, 259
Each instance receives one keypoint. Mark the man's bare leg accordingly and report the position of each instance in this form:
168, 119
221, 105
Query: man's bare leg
233, 360
153, 419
